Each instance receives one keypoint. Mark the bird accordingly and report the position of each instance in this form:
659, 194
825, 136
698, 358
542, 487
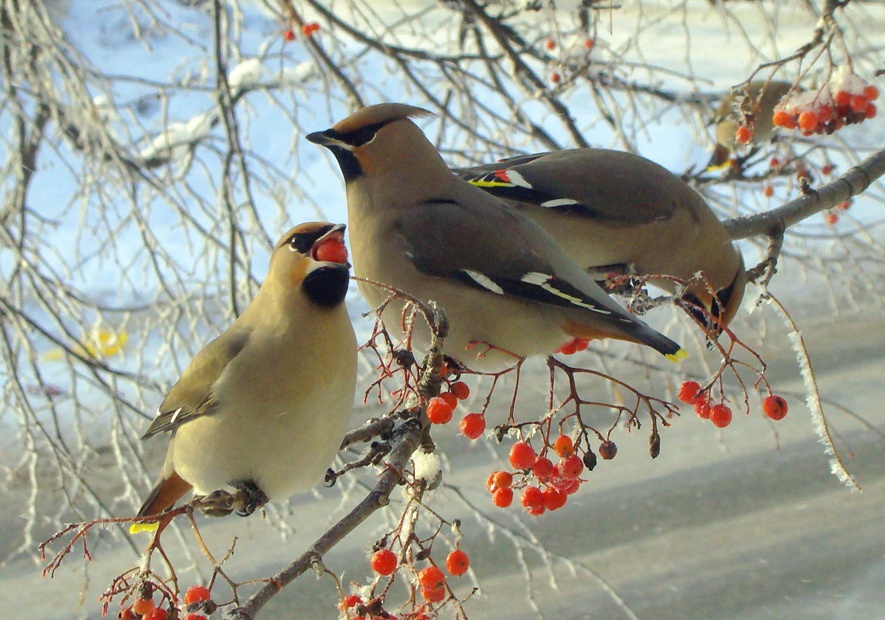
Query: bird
616, 212
508, 289
263, 407
757, 102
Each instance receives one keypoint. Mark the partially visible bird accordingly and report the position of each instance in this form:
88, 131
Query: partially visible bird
757, 102
263, 407
508, 289
615, 212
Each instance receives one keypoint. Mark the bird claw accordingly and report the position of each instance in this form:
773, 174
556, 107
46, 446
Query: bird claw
247, 498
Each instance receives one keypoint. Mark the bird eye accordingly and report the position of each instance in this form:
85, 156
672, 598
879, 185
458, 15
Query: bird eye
301, 242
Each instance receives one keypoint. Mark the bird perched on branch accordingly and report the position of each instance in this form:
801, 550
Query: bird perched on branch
616, 212
754, 103
263, 407
508, 289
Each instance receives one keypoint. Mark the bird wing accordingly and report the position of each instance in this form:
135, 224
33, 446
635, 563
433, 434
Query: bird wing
445, 239
594, 183
192, 395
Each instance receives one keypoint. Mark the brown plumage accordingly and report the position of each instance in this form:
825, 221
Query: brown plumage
616, 212
759, 99
501, 279
267, 402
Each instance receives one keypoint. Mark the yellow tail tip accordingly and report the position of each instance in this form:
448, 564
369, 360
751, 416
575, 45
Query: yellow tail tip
678, 356
149, 526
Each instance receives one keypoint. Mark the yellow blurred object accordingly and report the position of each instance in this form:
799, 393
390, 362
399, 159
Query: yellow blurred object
98, 343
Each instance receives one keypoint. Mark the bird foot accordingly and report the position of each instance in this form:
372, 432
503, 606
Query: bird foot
246, 499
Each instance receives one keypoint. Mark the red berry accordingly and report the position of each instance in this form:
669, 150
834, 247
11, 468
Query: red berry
570, 486
703, 409
288, 35
554, 498
126, 614
564, 446
433, 595
743, 135
383, 562
450, 399
502, 497
351, 600
550, 44
775, 407
844, 205
460, 390
157, 613
499, 480
310, 28
195, 617
784, 119
142, 605
196, 594
689, 392
871, 92
432, 577
589, 44
824, 115
775, 162
870, 111
842, 98
457, 563
331, 250
522, 455
768, 190
808, 121
532, 497
720, 415
827, 169
858, 103
439, 411
608, 450
831, 218
555, 78
542, 469
571, 467
473, 425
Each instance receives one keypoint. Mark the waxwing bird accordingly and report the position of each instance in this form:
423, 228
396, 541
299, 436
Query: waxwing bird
618, 212
507, 287
757, 102
263, 407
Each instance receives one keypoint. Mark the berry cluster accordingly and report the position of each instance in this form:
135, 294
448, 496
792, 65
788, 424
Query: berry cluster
197, 599
554, 482
844, 100
691, 393
431, 580
440, 408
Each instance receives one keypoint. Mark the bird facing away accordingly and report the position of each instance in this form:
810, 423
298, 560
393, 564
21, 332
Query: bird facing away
507, 287
264, 406
759, 99
617, 212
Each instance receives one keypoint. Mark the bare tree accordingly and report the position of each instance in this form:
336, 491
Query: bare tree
150, 163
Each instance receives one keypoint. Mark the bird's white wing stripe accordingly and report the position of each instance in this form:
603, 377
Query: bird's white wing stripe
560, 202
484, 281
543, 280
518, 180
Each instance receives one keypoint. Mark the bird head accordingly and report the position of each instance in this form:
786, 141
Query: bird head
376, 138
724, 305
312, 257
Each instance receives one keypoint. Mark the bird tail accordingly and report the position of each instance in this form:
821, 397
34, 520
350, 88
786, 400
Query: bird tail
633, 330
165, 493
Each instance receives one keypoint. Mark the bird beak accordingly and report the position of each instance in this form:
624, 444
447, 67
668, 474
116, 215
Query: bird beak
324, 139
330, 247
